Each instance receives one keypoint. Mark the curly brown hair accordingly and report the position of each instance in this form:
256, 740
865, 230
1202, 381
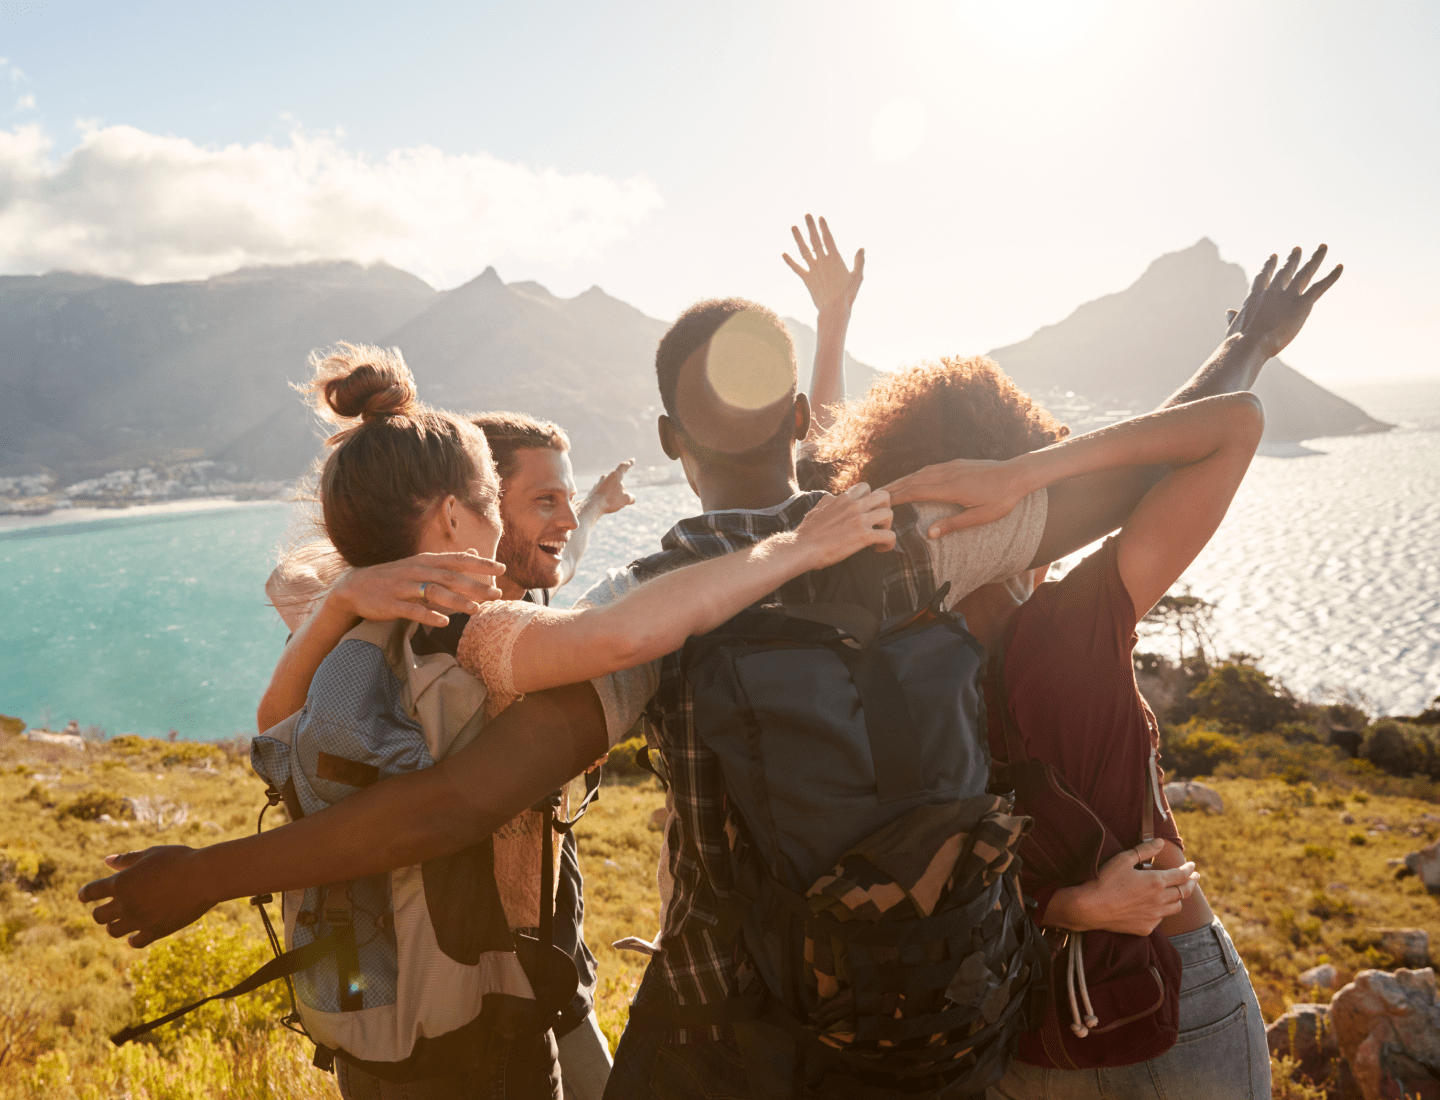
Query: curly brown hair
954, 408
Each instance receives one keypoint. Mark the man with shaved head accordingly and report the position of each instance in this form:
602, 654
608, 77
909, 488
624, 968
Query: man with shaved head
727, 377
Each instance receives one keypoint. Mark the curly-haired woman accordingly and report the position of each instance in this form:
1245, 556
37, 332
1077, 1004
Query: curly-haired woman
1069, 683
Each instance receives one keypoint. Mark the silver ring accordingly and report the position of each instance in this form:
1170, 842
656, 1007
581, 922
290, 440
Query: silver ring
423, 585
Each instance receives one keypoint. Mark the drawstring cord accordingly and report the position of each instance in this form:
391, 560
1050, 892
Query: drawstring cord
1076, 970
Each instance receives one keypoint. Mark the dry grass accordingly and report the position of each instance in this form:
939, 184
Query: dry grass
618, 853
1295, 885
64, 984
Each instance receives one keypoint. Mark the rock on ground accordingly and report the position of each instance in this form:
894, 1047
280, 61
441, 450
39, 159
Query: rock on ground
65, 740
1388, 1030
1306, 1034
1407, 946
1190, 793
1322, 976
1426, 864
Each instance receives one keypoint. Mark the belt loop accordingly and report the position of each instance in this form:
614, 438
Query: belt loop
1227, 949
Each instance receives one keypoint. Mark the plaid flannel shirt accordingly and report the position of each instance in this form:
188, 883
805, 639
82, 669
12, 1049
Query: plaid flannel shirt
698, 967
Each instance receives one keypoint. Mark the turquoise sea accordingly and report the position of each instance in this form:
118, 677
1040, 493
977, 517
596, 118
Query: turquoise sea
1328, 567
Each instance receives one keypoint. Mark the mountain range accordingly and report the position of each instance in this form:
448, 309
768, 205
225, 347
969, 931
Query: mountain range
105, 374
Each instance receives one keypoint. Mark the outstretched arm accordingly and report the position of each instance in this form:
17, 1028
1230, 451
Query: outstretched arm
832, 288
528, 750
609, 495
455, 582
1272, 315
990, 490
1089, 507
655, 619
1180, 513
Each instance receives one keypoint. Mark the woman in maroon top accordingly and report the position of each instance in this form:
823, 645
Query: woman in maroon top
1069, 675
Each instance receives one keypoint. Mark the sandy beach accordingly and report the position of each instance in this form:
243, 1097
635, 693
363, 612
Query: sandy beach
167, 508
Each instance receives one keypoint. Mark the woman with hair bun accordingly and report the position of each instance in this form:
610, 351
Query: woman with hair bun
409, 498
409, 485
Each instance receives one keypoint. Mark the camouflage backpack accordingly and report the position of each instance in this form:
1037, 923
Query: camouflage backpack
877, 887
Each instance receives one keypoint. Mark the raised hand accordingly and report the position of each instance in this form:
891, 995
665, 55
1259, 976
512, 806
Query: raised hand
841, 525
1278, 303
422, 588
152, 893
610, 494
831, 284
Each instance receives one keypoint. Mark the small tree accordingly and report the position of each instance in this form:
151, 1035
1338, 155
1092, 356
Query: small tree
1239, 696
1190, 619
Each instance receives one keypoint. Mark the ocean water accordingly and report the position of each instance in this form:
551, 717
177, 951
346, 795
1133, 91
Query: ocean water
141, 624
1328, 568
1328, 564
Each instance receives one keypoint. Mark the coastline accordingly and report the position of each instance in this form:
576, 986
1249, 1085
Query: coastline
89, 514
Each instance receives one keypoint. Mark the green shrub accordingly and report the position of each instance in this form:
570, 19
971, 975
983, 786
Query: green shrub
28, 869
90, 805
623, 763
128, 744
153, 752
1328, 906
1242, 698
192, 753
1401, 749
1200, 751
1299, 733
185, 968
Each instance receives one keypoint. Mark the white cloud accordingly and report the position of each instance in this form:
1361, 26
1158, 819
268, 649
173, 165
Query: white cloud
26, 102
151, 208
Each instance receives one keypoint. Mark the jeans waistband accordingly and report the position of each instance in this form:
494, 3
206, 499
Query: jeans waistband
1204, 944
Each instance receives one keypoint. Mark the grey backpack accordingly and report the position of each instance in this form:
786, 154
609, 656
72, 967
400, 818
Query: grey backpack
399, 973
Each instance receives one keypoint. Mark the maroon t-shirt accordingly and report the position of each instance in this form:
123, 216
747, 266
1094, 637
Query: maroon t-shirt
1071, 683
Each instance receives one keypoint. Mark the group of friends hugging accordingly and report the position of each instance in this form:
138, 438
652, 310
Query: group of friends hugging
915, 839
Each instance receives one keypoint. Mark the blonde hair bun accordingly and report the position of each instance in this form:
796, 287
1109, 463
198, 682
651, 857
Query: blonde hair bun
359, 381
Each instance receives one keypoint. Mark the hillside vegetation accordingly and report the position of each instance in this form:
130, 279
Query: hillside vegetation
1298, 866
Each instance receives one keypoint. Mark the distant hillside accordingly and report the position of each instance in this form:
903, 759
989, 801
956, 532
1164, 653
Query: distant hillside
102, 374
1135, 348
858, 375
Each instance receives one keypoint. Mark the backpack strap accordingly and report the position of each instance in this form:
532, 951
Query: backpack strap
592, 794
282, 966
1000, 702
347, 954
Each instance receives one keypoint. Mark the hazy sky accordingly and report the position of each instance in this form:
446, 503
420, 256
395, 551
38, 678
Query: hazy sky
1001, 162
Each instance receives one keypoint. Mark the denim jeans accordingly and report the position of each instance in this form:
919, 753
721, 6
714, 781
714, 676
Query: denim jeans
520, 1069
1221, 1053
649, 1068
584, 1060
